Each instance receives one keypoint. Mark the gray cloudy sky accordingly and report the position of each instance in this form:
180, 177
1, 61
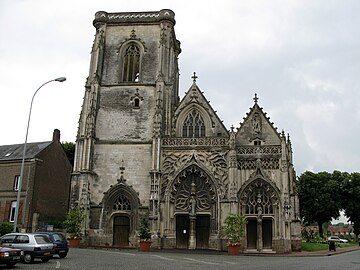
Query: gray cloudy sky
301, 57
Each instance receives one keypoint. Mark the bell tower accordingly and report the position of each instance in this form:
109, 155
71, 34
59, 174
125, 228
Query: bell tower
130, 98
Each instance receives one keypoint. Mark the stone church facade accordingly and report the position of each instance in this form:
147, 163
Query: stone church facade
141, 151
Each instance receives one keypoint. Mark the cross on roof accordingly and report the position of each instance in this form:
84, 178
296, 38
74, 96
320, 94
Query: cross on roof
194, 77
255, 98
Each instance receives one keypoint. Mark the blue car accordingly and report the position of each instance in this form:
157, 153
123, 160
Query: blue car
61, 247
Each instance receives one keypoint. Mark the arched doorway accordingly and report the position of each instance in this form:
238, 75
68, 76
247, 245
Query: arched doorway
120, 214
259, 200
194, 199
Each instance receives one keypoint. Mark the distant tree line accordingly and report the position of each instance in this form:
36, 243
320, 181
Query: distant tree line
69, 149
323, 195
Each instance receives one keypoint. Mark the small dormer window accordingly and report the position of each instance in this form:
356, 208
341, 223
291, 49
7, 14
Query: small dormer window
257, 142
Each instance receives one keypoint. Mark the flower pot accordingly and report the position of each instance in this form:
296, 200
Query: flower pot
233, 248
144, 245
74, 243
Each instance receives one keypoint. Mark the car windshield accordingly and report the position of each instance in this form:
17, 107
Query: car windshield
58, 237
42, 239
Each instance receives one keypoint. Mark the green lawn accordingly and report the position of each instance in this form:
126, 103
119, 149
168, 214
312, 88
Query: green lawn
307, 246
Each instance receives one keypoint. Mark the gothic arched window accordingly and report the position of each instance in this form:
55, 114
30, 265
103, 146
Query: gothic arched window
131, 64
259, 195
122, 203
194, 125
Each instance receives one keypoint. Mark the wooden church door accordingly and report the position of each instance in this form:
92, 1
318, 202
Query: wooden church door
121, 231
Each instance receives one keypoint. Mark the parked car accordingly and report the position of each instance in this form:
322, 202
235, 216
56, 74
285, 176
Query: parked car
61, 247
34, 245
10, 256
337, 239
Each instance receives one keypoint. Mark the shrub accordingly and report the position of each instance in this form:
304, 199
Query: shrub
6, 227
73, 223
234, 227
144, 232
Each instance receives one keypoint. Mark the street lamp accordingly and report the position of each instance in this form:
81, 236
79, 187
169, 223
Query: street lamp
60, 79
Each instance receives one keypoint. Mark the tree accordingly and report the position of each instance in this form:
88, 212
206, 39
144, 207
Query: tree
320, 197
69, 149
351, 201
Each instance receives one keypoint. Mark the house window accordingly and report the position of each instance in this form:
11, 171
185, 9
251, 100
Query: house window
12, 211
194, 125
131, 64
257, 142
16, 182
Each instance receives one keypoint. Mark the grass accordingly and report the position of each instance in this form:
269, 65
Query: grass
308, 246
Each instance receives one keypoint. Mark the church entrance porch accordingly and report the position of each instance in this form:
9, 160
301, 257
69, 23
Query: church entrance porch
121, 231
192, 232
259, 234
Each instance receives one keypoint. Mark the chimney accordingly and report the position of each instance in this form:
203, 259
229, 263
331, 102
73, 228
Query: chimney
56, 135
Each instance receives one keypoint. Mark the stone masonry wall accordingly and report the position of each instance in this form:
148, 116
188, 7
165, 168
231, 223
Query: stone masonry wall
137, 162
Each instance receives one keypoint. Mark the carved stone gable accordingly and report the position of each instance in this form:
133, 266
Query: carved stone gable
193, 191
214, 163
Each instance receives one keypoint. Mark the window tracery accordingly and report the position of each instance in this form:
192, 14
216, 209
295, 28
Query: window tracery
259, 197
194, 125
131, 63
122, 203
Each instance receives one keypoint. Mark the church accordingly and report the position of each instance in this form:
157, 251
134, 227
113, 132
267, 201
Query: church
141, 151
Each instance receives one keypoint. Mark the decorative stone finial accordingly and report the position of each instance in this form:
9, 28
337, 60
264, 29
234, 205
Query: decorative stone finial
122, 169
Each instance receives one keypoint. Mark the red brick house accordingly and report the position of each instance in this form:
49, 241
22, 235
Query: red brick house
45, 185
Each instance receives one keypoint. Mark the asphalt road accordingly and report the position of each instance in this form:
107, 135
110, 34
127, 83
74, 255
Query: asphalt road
98, 259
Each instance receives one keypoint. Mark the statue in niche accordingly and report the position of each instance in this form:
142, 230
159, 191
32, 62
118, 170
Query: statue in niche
256, 123
259, 214
192, 206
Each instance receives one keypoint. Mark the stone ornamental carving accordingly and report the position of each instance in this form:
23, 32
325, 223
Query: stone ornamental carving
262, 150
259, 196
193, 191
176, 142
213, 161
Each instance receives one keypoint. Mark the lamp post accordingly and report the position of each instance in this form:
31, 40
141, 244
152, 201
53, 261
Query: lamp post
60, 79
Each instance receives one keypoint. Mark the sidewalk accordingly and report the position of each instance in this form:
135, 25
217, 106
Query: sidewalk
218, 252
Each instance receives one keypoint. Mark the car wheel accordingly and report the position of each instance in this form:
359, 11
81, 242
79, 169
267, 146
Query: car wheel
45, 259
28, 258
63, 255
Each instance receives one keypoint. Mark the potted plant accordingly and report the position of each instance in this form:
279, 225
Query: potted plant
234, 229
144, 235
72, 224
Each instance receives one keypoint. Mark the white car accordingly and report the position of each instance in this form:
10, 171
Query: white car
34, 245
337, 239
